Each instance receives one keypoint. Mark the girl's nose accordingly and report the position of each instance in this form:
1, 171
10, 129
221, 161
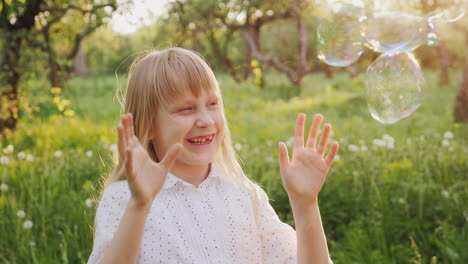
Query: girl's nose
204, 119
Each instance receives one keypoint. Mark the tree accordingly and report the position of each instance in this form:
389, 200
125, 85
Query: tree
54, 27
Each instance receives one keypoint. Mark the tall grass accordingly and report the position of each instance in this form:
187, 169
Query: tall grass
397, 194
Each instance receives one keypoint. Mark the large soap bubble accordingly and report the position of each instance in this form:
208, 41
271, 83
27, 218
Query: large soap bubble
338, 39
394, 87
394, 31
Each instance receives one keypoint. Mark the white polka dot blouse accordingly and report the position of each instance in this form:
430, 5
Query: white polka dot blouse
214, 223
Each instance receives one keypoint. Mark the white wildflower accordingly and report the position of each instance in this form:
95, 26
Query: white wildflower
379, 142
388, 138
337, 157
364, 148
445, 193
269, 142
445, 143
390, 145
89, 203
408, 141
89, 153
422, 138
21, 155
27, 224
401, 201
9, 149
238, 146
4, 187
32, 243
113, 147
4, 160
30, 158
353, 148
58, 154
21, 214
448, 134
355, 173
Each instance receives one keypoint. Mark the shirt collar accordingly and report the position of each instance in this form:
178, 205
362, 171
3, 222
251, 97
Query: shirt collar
172, 180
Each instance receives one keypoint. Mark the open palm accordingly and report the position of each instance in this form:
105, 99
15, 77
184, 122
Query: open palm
145, 177
304, 175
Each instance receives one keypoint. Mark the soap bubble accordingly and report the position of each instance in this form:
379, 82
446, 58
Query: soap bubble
394, 87
338, 39
433, 39
394, 31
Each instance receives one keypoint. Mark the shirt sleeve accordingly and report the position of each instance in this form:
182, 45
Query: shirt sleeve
109, 212
279, 240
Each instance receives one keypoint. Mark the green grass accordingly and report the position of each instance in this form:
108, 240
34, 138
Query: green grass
373, 204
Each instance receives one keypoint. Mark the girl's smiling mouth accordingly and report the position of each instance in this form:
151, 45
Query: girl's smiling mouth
201, 140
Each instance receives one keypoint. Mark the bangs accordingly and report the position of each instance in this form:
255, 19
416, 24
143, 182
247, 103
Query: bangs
181, 72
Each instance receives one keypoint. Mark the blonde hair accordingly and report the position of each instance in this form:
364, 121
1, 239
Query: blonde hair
157, 78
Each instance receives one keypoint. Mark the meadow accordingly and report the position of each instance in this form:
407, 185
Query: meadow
396, 193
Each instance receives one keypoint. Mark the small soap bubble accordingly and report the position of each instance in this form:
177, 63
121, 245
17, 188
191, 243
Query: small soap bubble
394, 31
433, 39
395, 85
338, 34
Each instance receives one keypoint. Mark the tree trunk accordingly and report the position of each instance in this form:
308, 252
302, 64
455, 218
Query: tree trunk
444, 58
79, 63
461, 101
9, 107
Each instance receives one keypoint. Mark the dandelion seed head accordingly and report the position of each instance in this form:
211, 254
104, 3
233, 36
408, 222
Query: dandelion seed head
353, 148
448, 135
379, 142
4, 160
21, 214
30, 158
445, 142
113, 147
21, 155
27, 224
238, 146
58, 154
445, 193
89, 203
9, 149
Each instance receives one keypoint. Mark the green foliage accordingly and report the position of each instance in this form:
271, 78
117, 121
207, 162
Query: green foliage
380, 204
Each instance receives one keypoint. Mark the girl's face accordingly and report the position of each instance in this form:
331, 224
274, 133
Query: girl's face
195, 122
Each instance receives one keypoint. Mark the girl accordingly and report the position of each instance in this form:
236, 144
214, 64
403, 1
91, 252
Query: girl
178, 194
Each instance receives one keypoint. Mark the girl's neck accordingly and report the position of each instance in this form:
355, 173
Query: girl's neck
194, 174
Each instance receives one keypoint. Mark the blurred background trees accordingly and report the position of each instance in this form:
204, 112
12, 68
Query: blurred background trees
244, 38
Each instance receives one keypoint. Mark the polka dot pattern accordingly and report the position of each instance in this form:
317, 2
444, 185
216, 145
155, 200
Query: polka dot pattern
214, 223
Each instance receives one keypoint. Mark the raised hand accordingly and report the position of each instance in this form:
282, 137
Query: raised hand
304, 175
145, 177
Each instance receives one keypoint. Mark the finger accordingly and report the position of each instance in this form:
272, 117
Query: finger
299, 132
331, 155
129, 163
131, 127
324, 140
171, 156
314, 130
121, 141
283, 157
128, 126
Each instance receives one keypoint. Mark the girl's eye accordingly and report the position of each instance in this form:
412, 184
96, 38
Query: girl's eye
213, 104
186, 109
